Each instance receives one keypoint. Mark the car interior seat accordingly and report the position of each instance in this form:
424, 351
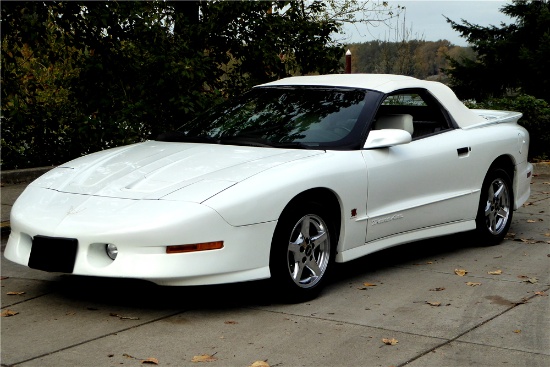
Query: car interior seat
396, 121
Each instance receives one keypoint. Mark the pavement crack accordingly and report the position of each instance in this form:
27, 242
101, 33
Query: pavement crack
94, 339
470, 330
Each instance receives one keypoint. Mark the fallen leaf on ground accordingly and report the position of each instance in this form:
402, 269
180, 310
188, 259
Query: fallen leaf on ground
517, 331
438, 289
15, 293
547, 234
230, 322
204, 358
436, 304
541, 293
472, 284
150, 361
495, 272
531, 221
531, 280
509, 235
369, 285
8, 313
123, 317
391, 341
461, 272
260, 364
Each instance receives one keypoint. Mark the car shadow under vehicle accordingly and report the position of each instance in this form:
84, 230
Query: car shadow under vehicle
142, 294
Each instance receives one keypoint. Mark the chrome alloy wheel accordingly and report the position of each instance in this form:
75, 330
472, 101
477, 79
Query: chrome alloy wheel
498, 206
308, 251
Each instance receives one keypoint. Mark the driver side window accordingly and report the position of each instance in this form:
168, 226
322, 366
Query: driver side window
428, 117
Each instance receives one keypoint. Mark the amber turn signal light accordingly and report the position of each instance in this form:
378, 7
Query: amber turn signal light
194, 247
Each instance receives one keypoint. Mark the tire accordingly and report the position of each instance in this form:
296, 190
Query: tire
496, 205
302, 252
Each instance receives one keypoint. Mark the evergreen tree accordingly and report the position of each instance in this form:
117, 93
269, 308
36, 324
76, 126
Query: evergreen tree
510, 57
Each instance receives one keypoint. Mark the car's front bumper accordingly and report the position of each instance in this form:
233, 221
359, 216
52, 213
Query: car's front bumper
141, 230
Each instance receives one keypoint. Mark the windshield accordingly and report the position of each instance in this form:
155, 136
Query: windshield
282, 116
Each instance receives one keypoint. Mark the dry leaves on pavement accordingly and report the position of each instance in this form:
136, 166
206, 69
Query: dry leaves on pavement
541, 293
8, 313
15, 293
366, 285
495, 272
438, 289
461, 272
123, 317
509, 235
473, 284
260, 364
391, 341
435, 304
532, 280
204, 358
150, 361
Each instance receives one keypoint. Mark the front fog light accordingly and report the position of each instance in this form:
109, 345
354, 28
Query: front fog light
111, 250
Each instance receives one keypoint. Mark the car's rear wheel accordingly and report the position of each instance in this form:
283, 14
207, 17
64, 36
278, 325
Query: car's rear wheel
302, 252
496, 206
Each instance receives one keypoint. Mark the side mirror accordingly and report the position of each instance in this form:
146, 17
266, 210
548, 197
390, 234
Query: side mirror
387, 138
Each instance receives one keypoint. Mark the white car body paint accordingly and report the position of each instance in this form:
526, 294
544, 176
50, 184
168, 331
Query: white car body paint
147, 196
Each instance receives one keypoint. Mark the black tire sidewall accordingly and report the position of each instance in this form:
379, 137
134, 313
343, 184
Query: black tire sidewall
481, 228
282, 283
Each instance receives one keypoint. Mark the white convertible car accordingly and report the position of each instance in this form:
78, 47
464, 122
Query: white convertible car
280, 183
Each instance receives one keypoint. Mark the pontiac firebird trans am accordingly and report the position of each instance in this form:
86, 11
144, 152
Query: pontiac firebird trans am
280, 183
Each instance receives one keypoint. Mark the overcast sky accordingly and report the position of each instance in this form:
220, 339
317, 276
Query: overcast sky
425, 20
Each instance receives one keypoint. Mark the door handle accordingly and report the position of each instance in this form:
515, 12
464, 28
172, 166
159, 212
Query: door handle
463, 151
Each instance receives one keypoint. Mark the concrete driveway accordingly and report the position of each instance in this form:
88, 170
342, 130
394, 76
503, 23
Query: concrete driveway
409, 296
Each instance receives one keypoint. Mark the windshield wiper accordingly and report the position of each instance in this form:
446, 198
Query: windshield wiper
179, 137
293, 144
239, 140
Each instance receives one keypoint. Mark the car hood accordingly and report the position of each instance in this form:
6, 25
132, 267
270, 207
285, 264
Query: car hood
152, 170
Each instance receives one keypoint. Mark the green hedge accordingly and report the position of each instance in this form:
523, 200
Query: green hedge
536, 119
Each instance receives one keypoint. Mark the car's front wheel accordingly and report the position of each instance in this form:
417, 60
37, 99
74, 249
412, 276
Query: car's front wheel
302, 252
496, 206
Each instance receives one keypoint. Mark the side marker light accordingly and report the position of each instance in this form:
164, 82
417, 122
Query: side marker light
194, 247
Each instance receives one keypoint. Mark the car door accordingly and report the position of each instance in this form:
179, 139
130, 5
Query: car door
421, 184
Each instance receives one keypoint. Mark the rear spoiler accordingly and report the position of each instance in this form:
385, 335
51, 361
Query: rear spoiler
495, 117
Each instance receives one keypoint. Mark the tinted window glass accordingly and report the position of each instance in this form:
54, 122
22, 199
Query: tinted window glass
308, 116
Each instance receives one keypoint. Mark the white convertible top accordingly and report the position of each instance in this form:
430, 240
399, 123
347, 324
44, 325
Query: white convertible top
387, 83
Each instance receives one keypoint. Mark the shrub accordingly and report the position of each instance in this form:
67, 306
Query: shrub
536, 119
